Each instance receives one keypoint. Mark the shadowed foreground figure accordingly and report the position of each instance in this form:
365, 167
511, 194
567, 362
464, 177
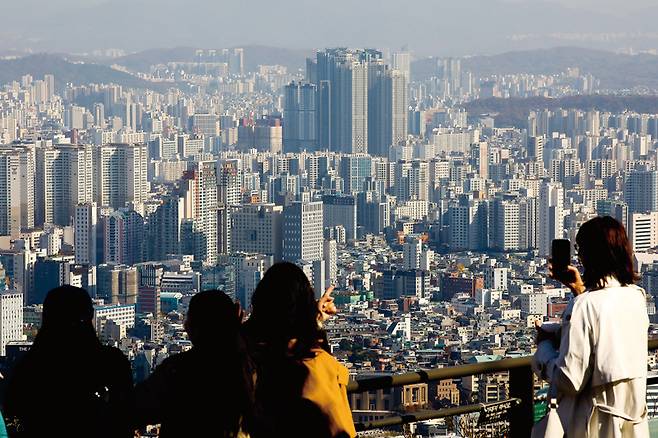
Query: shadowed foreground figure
301, 388
208, 390
68, 384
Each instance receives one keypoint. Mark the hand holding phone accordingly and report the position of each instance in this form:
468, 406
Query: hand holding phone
560, 267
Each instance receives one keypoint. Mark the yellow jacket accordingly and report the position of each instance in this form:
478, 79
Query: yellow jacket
326, 386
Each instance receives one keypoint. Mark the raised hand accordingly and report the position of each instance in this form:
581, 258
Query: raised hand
570, 277
326, 305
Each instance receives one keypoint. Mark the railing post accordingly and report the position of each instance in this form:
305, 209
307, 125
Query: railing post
521, 385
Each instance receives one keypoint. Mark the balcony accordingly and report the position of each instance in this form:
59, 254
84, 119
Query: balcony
519, 408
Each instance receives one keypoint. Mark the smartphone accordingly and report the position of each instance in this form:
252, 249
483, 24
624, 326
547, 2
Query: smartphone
560, 254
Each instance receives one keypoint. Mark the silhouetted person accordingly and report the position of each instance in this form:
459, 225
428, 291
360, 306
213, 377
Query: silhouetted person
301, 388
68, 384
208, 390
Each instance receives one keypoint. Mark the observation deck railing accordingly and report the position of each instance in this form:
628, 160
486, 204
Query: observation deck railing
521, 392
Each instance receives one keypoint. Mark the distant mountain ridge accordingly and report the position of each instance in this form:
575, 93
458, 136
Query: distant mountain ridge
70, 72
614, 70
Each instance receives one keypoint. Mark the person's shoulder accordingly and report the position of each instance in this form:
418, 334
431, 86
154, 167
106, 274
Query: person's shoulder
323, 360
113, 354
179, 361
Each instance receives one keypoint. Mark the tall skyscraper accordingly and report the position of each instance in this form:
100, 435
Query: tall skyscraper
203, 202
387, 108
120, 172
164, 229
17, 179
551, 220
299, 117
341, 76
402, 63
641, 191
303, 231
86, 234
481, 158
65, 179
228, 180
10, 193
124, 237
257, 228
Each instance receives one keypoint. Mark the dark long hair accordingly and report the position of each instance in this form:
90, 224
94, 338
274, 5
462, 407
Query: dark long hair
213, 324
67, 316
284, 308
605, 251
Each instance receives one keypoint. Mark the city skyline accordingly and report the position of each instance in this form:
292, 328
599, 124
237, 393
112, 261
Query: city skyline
427, 194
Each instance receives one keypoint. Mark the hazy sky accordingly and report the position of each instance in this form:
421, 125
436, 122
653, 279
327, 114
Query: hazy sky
440, 27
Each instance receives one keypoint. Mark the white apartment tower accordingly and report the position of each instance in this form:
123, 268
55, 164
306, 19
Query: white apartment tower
86, 233
64, 180
551, 226
643, 231
120, 174
10, 193
303, 231
11, 318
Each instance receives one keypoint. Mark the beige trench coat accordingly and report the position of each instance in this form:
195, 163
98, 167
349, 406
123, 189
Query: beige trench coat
599, 371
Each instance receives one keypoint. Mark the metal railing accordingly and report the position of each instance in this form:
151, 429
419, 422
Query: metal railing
414, 417
521, 391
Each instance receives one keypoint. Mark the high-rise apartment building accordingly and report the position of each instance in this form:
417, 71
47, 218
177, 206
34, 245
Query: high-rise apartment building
341, 76
303, 231
340, 210
361, 101
387, 108
643, 230
551, 220
402, 62
164, 229
202, 197
257, 228
64, 179
641, 191
412, 180
86, 234
11, 318
411, 253
299, 117
120, 172
228, 180
123, 237
10, 193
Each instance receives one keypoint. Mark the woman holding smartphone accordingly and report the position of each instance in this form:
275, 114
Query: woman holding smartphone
597, 368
